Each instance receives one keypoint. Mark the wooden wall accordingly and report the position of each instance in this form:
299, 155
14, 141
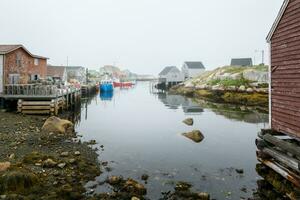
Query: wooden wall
285, 72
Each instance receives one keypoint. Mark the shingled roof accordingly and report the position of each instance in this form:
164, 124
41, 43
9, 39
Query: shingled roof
55, 71
241, 62
5, 49
166, 70
195, 65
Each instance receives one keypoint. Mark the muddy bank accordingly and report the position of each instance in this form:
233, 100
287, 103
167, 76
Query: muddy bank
223, 96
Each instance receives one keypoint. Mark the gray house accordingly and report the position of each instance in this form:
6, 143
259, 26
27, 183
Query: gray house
243, 62
76, 73
170, 76
192, 69
57, 73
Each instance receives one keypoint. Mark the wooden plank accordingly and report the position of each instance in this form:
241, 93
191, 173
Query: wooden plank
285, 102
285, 128
283, 158
284, 172
35, 111
36, 103
36, 107
286, 118
286, 146
285, 97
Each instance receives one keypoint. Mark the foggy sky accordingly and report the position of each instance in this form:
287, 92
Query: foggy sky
140, 35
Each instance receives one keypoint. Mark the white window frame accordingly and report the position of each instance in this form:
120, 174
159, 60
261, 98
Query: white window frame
36, 61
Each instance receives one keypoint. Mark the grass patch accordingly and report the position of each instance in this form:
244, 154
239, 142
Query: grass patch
229, 82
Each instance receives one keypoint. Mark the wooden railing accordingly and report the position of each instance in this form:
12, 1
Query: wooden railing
32, 90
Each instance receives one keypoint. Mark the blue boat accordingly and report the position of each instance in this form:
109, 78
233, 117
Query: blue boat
106, 85
106, 95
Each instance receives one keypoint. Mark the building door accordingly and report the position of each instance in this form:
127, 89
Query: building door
1, 73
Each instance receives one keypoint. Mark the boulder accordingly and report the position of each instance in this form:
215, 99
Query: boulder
61, 165
189, 121
4, 166
195, 135
114, 180
182, 186
49, 163
134, 187
242, 88
57, 125
250, 90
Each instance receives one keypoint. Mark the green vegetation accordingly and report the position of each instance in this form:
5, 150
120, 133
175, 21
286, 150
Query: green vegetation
229, 82
253, 99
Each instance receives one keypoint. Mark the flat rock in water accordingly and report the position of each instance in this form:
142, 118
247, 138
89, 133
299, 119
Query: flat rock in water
195, 135
188, 121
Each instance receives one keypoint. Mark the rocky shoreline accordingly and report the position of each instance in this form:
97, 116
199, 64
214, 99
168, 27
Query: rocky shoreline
252, 98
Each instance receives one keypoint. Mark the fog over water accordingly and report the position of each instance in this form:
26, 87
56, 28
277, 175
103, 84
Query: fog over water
142, 35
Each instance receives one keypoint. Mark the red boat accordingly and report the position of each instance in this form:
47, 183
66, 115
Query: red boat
122, 84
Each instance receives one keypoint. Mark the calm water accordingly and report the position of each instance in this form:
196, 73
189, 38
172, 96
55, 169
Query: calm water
141, 133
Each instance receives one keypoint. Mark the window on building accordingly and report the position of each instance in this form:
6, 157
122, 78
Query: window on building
36, 61
19, 60
14, 78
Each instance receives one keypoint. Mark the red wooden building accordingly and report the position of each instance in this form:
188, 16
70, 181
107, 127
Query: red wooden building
284, 40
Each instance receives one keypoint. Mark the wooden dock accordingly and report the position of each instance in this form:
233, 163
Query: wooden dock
87, 90
41, 99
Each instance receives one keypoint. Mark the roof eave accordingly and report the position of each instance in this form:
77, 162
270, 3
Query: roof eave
278, 18
32, 55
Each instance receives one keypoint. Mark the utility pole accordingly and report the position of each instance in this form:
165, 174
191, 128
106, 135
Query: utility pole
263, 57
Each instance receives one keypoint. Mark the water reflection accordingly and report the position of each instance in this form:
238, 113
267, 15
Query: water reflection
176, 101
106, 96
235, 112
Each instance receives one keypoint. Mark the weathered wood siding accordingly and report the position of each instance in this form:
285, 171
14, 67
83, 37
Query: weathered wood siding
285, 72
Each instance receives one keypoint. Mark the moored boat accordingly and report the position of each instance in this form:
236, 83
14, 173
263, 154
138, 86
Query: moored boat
106, 85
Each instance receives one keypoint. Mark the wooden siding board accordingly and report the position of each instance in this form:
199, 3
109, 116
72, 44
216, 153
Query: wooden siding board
285, 77
284, 118
286, 102
281, 128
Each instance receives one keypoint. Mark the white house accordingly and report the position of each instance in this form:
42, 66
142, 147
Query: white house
192, 69
171, 75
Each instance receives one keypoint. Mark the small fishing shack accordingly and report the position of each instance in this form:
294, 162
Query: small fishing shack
279, 147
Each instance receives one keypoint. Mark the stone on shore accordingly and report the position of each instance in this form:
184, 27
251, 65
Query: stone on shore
49, 163
134, 187
189, 121
57, 125
4, 166
113, 180
195, 135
